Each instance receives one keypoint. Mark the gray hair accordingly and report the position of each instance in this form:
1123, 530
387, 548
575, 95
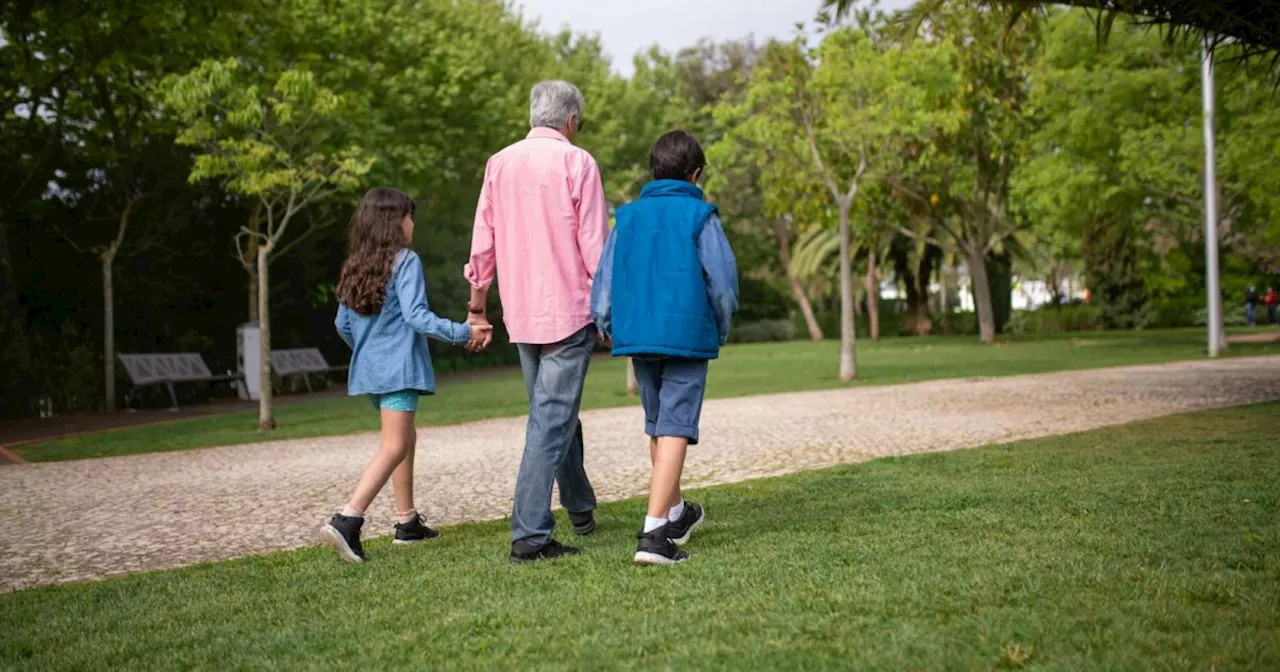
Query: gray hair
552, 103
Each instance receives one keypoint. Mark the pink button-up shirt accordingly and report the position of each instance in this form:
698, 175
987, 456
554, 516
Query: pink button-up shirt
541, 225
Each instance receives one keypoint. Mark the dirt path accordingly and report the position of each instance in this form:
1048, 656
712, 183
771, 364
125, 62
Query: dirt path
69, 521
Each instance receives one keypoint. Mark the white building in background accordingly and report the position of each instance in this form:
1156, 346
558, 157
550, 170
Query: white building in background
1027, 294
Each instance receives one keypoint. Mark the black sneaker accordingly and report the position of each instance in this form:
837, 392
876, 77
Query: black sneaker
414, 531
657, 548
523, 552
680, 530
344, 533
583, 523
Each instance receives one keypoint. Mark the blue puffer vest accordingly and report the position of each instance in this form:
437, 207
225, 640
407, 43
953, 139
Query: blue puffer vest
659, 294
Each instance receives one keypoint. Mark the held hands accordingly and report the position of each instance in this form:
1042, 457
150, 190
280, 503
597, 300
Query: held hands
481, 332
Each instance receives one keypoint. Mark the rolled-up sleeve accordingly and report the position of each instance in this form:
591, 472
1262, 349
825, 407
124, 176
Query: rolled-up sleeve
343, 324
593, 215
721, 271
481, 266
412, 292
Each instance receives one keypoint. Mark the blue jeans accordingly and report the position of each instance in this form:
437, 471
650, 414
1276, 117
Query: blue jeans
1250, 314
553, 376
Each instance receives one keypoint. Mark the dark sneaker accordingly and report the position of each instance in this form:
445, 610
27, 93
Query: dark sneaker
414, 531
680, 530
344, 533
583, 523
657, 548
523, 552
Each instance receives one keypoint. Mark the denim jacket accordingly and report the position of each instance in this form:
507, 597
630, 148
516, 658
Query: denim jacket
718, 266
389, 348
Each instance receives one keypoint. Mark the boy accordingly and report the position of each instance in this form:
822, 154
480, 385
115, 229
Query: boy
663, 295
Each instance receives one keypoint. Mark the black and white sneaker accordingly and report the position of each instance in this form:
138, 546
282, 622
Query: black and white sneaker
523, 552
414, 531
656, 548
344, 533
680, 530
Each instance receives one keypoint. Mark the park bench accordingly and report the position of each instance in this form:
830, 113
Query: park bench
169, 368
301, 362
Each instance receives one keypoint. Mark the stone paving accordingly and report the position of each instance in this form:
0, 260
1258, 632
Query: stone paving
89, 519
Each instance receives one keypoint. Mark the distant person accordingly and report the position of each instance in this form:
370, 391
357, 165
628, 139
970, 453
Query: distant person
1272, 300
666, 288
540, 224
1251, 306
382, 312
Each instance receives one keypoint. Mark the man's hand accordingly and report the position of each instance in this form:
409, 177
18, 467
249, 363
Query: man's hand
481, 332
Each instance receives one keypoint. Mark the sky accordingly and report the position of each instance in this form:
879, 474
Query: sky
626, 26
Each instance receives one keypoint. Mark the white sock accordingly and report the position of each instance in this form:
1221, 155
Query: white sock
676, 511
651, 523
352, 512
407, 517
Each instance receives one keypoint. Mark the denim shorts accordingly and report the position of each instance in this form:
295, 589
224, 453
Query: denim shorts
404, 400
671, 391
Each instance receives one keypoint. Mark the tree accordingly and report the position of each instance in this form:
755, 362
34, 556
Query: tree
964, 172
827, 119
87, 119
1117, 164
281, 146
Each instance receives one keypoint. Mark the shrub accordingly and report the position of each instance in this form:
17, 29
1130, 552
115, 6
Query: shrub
763, 331
1055, 320
762, 300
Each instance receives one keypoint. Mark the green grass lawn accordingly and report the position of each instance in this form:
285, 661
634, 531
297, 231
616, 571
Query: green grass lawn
742, 370
1152, 546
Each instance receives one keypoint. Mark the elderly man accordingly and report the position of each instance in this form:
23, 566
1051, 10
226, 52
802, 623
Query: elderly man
540, 226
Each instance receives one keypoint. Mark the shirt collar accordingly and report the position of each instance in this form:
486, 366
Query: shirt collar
549, 133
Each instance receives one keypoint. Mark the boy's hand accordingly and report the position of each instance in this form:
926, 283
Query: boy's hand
481, 337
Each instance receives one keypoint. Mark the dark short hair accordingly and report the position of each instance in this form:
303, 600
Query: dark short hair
675, 156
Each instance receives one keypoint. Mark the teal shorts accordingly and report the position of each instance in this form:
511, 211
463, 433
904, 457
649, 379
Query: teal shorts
404, 400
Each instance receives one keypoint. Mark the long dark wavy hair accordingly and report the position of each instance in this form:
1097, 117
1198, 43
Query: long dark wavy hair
375, 237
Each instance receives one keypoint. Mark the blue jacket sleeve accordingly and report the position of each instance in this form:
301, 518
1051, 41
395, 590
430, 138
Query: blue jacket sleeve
721, 271
602, 286
412, 292
343, 324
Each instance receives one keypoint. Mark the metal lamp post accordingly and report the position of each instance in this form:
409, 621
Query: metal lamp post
1211, 207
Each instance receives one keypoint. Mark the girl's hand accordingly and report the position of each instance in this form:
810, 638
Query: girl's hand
481, 336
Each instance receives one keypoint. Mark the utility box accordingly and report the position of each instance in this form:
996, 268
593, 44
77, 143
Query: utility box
249, 360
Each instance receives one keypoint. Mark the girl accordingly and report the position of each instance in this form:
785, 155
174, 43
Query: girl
383, 316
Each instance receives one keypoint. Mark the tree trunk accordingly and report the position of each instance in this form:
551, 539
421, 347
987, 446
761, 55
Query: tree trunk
266, 410
873, 295
920, 279
633, 387
109, 329
1000, 277
848, 340
783, 233
253, 291
250, 261
982, 295
806, 309
944, 302
108, 257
